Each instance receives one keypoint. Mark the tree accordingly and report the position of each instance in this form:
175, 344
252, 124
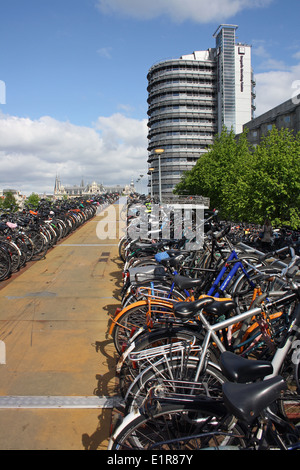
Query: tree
275, 179
250, 184
221, 174
10, 202
33, 200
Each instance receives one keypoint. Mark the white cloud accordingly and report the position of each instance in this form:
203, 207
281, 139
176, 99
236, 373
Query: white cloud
260, 49
275, 79
105, 52
33, 152
275, 87
200, 11
296, 55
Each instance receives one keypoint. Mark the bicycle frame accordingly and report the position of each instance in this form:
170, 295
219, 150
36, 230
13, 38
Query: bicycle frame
281, 351
237, 265
190, 296
212, 291
212, 336
266, 425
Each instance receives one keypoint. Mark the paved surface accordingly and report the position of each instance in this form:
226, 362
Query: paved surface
58, 370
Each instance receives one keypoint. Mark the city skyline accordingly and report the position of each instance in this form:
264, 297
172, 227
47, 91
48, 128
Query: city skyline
73, 95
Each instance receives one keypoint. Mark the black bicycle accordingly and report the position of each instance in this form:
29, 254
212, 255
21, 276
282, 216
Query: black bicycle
247, 416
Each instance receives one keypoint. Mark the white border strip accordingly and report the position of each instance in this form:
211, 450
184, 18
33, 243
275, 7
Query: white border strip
88, 244
52, 402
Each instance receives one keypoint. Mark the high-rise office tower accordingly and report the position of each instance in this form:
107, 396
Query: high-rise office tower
190, 100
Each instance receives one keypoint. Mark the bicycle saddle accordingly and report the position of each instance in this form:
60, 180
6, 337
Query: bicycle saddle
238, 369
221, 307
147, 246
185, 282
247, 401
175, 253
173, 261
189, 309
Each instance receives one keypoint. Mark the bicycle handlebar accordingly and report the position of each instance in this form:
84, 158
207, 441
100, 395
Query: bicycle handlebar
279, 251
222, 233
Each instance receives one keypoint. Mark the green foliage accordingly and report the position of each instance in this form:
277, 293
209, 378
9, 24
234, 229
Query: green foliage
33, 201
250, 184
9, 202
275, 179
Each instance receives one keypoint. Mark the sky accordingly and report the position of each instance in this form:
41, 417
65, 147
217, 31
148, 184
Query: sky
73, 78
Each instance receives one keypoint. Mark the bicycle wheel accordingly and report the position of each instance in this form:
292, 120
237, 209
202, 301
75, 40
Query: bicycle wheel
183, 426
121, 248
134, 317
23, 251
28, 246
154, 339
289, 402
242, 292
15, 254
5, 264
40, 245
157, 290
296, 363
175, 377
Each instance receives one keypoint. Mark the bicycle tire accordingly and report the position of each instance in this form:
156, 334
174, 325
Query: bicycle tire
27, 244
173, 377
5, 264
23, 250
121, 248
242, 292
15, 254
179, 426
40, 243
147, 340
131, 319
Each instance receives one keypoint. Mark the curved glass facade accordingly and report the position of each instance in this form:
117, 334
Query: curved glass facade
182, 117
190, 100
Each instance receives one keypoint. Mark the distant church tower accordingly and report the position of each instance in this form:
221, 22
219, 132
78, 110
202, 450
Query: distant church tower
57, 186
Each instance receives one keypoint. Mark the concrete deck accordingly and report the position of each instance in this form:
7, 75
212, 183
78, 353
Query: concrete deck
59, 360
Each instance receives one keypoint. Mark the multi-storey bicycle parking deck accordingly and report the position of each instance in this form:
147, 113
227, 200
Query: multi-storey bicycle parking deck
57, 382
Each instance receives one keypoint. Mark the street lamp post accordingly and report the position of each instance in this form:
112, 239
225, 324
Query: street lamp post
151, 173
159, 152
141, 176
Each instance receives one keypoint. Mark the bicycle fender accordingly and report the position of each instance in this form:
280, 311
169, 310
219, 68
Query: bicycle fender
130, 347
124, 356
115, 319
140, 376
126, 421
139, 303
159, 361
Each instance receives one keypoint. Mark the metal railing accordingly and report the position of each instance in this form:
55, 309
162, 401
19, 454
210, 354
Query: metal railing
176, 199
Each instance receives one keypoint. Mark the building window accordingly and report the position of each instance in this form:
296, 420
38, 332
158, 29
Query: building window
287, 119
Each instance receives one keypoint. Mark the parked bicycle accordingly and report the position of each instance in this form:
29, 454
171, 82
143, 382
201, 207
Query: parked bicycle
246, 416
28, 235
173, 335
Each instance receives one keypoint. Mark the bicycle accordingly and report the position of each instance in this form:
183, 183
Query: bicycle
139, 313
166, 366
245, 417
255, 336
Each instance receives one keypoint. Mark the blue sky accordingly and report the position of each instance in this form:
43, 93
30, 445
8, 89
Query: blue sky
75, 73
